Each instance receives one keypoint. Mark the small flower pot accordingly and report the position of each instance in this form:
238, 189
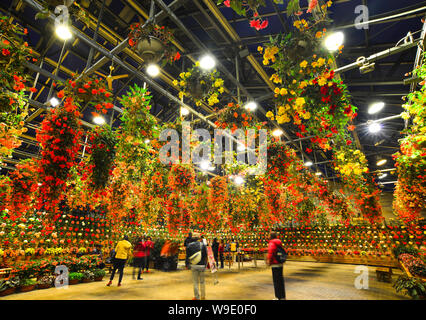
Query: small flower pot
73, 281
99, 278
7, 292
86, 280
27, 288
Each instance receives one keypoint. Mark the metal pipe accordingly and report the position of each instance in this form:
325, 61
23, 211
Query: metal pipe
95, 37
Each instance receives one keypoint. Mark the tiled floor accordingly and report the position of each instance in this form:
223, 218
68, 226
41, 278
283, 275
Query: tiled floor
303, 280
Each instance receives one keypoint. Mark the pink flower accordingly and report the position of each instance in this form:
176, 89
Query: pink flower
227, 3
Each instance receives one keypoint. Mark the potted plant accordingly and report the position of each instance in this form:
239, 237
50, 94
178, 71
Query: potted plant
75, 277
88, 276
99, 274
8, 286
415, 288
27, 285
153, 43
45, 282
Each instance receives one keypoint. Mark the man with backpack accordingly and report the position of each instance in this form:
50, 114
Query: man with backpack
276, 257
196, 255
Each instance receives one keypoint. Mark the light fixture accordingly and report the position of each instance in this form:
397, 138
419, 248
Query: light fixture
205, 165
250, 106
318, 173
184, 111
54, 102
99, 120
382, 176
238, 180
381, 162
241, 147
334, 41
63, 32
376, 107
277, 132
374, 127
207, 62
153, 70
147, 141
308, 163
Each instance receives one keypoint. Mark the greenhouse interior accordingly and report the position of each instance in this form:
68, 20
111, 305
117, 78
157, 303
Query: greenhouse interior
212, 150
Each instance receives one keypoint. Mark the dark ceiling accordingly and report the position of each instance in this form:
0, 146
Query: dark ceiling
227, 35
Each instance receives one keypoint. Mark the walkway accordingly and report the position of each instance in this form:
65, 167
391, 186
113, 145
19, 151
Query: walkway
304, 281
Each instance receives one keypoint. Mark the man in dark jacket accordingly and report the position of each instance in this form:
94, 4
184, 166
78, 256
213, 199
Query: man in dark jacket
277, 268
187, 241
196, 255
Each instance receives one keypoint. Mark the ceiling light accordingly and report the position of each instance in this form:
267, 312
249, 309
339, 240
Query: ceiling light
54, 102
382, 176
277, 132
153, 70
381, 162
318, 173
334, 41
308, 163
63, 32
238, 180
374, 127
147, 141
205, 165
376, 107
250, 106
99, 120
207, 62
184, 111
241, 147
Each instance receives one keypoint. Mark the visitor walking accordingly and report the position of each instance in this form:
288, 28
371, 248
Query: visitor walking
187, 241
123, 251
149, 245
138, 258
221, 250
196, 254
274, 259
215, 249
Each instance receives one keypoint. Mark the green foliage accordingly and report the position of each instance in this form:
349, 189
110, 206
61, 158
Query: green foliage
99, 273
28, 282
405, 249
76, 276
11, 283
102, 154
413, 287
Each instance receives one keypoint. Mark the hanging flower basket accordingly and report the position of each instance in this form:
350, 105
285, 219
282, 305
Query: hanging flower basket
150, 49
153, 43
73, 281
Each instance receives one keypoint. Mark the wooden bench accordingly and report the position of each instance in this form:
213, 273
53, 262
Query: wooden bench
384, 274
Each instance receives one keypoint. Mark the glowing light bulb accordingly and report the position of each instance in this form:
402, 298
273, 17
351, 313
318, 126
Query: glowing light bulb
153, 70
376, 107
334, 41
207, 62
63, 32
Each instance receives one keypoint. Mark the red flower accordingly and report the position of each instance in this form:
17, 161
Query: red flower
227, 3
5, 52
349, 142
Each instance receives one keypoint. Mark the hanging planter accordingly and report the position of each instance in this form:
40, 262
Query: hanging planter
200, 85
153, 43
150, 49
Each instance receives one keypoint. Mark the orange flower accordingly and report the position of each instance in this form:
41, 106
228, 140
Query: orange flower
235, 115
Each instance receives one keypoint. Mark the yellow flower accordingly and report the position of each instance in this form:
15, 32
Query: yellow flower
221, 89
187, 74
218, 83
329, 3
265, 62
175, 82
181, 95
318, 35
281, 110
260, 49
277, 90
283, 91
182, 75
304, 64
300, 102
182, 83
303, 84
321, 62
197, 64
322, 81
269, 114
